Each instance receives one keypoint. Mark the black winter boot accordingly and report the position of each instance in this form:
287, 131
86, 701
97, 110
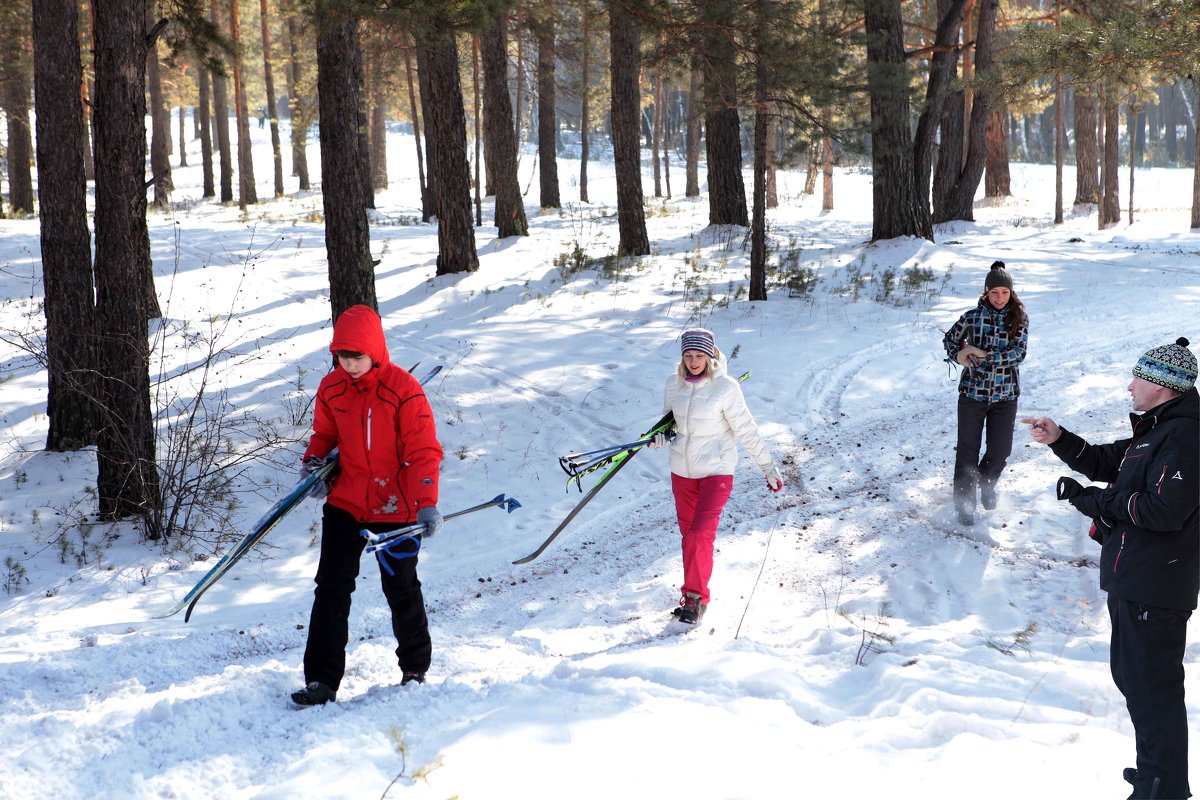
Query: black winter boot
412, 677
314, 694
690, 610
987, 495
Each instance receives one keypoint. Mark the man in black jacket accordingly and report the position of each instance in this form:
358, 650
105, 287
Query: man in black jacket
1148, 524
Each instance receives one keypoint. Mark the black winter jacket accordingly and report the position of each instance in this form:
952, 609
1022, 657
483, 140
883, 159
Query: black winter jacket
1151, 555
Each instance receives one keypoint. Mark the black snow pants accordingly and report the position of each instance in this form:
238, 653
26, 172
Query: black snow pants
328, 628
969, 469
1146, 659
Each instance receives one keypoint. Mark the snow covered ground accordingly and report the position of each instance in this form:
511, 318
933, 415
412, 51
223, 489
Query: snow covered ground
859, 642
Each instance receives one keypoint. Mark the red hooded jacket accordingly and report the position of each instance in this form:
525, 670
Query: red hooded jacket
382, 427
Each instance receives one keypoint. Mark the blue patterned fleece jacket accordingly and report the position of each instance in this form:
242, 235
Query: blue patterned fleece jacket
997, 378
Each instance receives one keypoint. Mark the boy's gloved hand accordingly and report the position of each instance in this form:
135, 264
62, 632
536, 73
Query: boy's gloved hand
432, 518
320, 489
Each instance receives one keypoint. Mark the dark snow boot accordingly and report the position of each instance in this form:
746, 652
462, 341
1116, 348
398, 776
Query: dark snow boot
314, 694
412, 677
987, 495
965, 516
690, 610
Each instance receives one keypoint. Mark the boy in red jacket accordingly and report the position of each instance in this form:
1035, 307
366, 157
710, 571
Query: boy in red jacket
375, 414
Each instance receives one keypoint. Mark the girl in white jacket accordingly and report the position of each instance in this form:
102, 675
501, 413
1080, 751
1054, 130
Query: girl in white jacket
711, 419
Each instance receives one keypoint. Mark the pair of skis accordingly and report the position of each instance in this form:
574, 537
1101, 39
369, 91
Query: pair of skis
265, 525
576, 465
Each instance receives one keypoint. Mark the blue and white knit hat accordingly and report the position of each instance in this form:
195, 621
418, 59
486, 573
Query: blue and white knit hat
1171, 365
699, 339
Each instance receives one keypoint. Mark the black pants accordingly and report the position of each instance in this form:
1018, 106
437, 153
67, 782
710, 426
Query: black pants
969, 468
1146, 659
328, 628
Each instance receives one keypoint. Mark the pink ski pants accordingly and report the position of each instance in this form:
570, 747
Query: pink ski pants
698, 504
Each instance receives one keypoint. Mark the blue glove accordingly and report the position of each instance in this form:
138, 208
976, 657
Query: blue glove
432, 518
320, 489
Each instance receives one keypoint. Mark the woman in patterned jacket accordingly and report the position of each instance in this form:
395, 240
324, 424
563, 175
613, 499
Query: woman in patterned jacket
989, 342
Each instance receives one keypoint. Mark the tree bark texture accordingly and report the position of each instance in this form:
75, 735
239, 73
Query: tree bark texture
1110, 201
585, 104
758, 227
429, 201
160, 123
204, 86
896, 208
498, 119
378, 138
1087, 181
997, 180
692, 132
247, 193
65, 240
347, 235
723, 140
960, 199
297, 107
625, 64
942, 71
221, 114
127, 478
15, 85
272, 107
547, 116
415, 111
456, 231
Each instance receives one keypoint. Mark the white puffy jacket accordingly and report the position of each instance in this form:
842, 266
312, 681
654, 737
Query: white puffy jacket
711, 419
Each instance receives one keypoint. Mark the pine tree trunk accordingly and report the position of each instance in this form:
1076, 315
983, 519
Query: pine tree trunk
221, 114
1196, 182
1087, 184
15, 85
85, 93
296, 107
347, 235
127, 482
1110, 201
943, 70
247, 193
497, 117
65, 240
625, 64
416, 116
272, 106
456, 233
182, 136
692, 132
726, 189
897, 210
477, 122
960, 198
585, 100
949, 153
1135, 117
656, 133
429, 202
204, 85
547, 117
758, 227
378, 138
160, 123
772, 178
997, 181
